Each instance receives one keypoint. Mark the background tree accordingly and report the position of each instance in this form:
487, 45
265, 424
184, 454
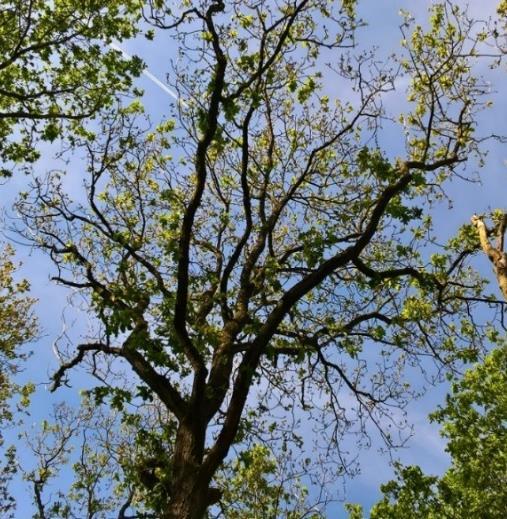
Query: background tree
279, 253
259, 483
473, 421
56, 68
102, 450
17, 327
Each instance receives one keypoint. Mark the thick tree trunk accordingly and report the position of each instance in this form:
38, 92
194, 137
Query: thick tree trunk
191, 497
189, 501
190, 492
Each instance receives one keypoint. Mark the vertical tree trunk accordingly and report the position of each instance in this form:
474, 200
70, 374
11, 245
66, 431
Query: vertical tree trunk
189, 501
189, 490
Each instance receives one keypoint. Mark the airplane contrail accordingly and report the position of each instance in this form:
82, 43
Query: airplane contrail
152, 78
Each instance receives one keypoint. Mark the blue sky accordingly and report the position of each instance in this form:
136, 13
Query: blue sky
425, 448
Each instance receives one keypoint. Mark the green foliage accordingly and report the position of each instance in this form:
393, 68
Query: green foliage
57, 69
106, 451
255, 486
473, 421
440, 76
261, 242
7, 472
410, 496
17, 327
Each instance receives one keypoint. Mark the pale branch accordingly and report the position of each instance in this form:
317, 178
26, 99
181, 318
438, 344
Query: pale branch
500, 235
496, 255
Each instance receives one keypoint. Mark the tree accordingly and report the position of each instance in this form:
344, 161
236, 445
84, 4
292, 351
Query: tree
111, 457
56, 68
101, 449
17, 327
495, 253
258, 485
473, 422
279, 250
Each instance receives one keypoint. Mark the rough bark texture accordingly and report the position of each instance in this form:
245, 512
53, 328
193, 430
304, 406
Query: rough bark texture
189, 492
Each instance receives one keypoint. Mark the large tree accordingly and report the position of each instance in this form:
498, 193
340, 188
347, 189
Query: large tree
261, 244
57, 69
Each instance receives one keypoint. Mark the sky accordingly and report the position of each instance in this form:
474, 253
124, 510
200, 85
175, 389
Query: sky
425, 448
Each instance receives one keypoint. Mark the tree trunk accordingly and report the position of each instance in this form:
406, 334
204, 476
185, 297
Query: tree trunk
191, 497
189, 501
189, 490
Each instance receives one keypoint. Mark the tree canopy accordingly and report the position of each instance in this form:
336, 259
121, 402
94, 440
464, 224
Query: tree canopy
258, 252
17, 327
57, 69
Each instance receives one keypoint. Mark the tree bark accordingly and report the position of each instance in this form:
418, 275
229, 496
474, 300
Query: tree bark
495, 254
191, 494
193, 504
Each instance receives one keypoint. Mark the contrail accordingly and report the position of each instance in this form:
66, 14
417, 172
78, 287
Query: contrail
152, 78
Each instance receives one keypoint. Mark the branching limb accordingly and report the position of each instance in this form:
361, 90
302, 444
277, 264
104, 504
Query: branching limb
158, 383
59, 377
211, 125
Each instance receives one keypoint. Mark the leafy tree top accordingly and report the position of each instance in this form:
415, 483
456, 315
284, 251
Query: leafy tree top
57, 68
